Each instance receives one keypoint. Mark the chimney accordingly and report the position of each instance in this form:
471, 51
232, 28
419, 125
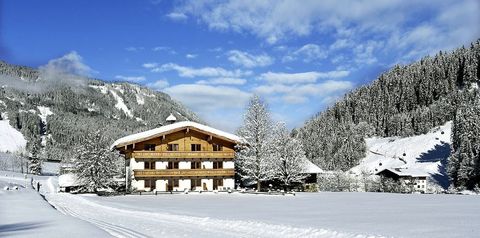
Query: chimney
171, 119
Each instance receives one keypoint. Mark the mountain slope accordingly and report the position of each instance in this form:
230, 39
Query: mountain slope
404, 101
56, 109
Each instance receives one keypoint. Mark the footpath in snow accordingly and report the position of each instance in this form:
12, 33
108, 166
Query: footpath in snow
24, 213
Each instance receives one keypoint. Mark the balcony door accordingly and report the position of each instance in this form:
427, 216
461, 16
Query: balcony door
171, 184
217, 182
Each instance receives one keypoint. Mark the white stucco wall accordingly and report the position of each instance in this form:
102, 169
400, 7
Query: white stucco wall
138, 184
228, 183
161, 185
207, 164
209, 183
184, 184
161, 164
228, 165
136, 164
184, 165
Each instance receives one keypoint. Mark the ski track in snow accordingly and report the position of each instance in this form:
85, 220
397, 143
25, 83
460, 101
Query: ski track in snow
127, 223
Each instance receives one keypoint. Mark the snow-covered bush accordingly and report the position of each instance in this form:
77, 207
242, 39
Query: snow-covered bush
96, 165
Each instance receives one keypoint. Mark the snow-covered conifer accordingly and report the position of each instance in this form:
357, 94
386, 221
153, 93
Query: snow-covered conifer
96, 165
254, 160
35, 164
289, 157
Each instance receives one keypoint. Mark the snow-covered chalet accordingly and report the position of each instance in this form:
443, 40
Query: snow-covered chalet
179, 156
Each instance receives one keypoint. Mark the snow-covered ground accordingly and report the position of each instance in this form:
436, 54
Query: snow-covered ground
247, 215
424, 153
11, 140
24, 213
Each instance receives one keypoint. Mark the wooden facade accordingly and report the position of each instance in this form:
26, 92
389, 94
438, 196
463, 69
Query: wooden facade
186, 157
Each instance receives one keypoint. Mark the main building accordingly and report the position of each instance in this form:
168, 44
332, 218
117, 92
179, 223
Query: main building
179, 156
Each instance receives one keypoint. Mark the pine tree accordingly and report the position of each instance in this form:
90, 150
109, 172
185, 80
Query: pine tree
96, 165
254, 160
35, 163
464, 164
289, 157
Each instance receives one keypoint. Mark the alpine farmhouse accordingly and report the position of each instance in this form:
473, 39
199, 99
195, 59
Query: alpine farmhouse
179, 156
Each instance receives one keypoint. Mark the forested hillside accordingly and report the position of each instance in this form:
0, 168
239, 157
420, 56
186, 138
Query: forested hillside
404, 101
55, 110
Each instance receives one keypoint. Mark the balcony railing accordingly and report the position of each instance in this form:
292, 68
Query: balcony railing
183, 172
182, 155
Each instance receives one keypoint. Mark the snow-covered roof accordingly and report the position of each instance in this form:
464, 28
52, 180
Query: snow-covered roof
311, 168
406, 172
68, 180
171, 118
150, 134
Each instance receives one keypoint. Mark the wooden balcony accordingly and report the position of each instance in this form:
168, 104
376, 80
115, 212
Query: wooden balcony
158, 173
182, 155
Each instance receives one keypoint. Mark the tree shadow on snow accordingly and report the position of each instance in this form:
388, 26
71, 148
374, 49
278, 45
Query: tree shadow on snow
18, 227
440, 152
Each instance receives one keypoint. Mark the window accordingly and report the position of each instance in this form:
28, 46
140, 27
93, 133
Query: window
175, 183
149, 183
149, 164
218, 165
195, 165
172, 165
172, 147
196, 147
195, 183
217, 182
150, 147
217, 147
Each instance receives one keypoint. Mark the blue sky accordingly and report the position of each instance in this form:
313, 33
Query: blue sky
213, 55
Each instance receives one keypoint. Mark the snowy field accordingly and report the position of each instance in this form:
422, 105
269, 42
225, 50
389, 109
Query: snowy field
24, 213
246, 215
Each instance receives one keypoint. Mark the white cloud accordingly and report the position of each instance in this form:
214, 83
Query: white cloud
150, 65
164, 48
158, 85
219, 105
134, 79
177, 16
301, 93
308, 53
210, 72
364, 53
71, 63
341, 44
305, 77
191, 56
207, 97
224, 81
248, 60
443, 25
134, 49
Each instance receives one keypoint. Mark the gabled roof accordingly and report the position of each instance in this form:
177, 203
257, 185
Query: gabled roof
406, 172
171, 118
311, 168
164, 130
